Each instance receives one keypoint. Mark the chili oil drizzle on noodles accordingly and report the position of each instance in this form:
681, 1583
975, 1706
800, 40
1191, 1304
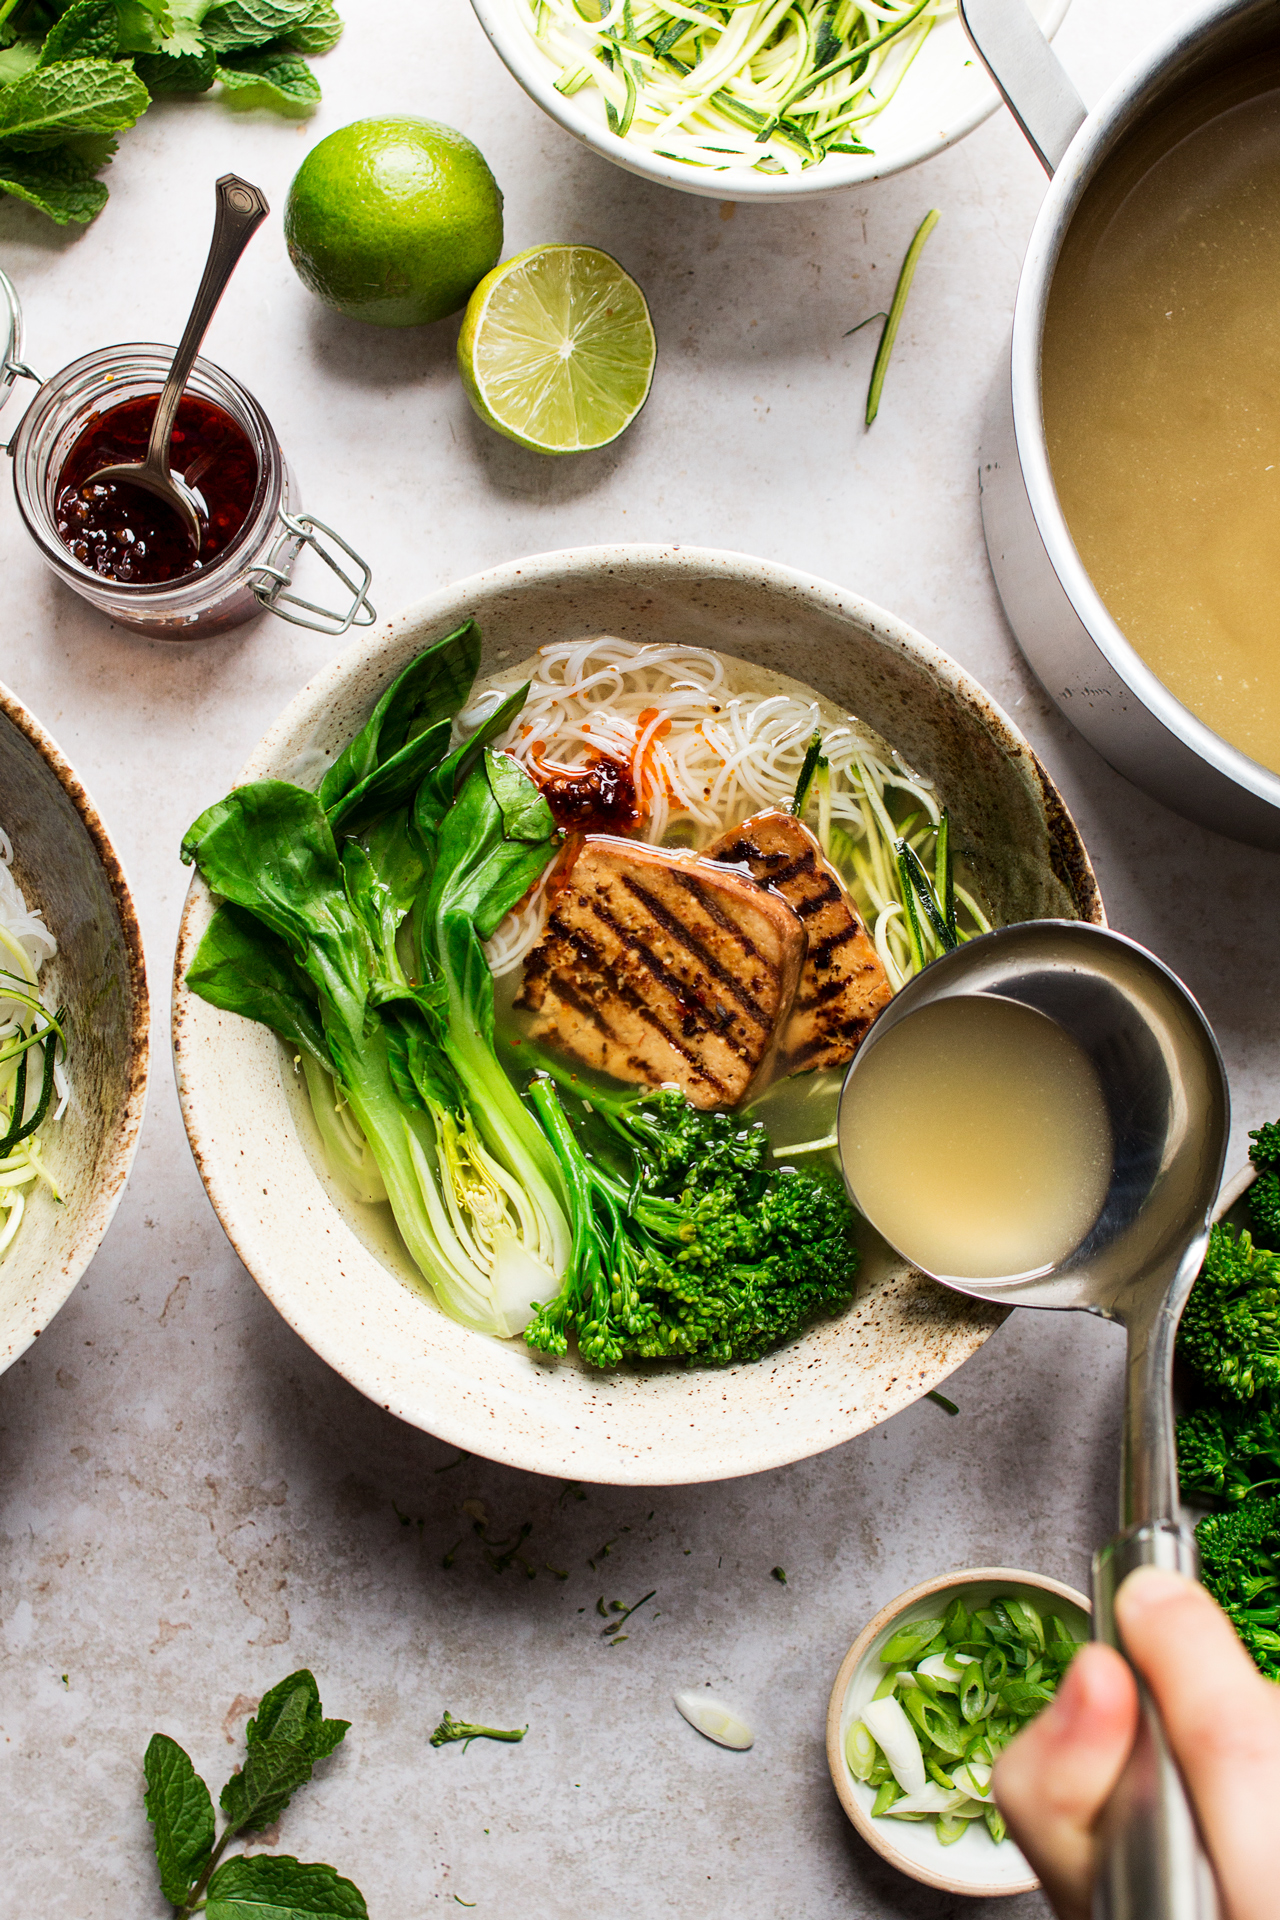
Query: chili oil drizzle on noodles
705, 750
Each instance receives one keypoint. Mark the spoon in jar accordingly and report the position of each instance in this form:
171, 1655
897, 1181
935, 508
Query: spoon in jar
241, 209
1163, 1101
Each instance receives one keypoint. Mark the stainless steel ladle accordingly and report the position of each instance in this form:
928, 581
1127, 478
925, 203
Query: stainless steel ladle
1166, 1094
241, 209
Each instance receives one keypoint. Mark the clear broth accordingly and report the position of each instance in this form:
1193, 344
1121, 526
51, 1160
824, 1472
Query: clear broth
1161, 387
799, 1111
975, 1137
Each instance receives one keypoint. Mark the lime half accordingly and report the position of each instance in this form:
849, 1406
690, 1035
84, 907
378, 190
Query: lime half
557, 349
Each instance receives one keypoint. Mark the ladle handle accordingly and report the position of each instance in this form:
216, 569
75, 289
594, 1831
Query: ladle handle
1028, 73
1151, 1861
240, 210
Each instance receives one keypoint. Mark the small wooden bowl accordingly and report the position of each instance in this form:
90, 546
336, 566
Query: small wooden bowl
974, 1865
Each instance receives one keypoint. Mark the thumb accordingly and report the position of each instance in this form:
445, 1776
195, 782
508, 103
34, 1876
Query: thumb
1222, 1722
1054, 1779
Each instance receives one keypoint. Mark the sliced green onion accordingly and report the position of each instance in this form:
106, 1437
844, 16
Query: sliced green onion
956, 1692
909, 1643
861, 1751
888, 1792
896, 1738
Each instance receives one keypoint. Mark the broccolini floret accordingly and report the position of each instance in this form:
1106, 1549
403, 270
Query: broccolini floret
704, 1254
1240, 1558
1264, 1194
1230, 1331
1226, 1453
677, 1146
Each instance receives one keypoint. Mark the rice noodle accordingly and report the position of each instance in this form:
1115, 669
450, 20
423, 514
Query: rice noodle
705, 750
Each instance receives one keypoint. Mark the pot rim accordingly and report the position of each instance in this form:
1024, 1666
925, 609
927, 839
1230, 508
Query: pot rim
1118, 110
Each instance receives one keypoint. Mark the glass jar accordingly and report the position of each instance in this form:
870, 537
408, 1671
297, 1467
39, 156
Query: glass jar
252, 572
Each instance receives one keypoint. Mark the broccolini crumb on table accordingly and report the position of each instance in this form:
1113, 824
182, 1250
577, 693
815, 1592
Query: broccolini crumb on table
451, 1729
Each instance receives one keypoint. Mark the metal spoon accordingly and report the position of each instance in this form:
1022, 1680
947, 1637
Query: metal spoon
241, 209
1166, 1094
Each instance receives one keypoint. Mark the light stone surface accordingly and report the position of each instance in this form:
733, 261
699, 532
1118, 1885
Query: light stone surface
192, 1503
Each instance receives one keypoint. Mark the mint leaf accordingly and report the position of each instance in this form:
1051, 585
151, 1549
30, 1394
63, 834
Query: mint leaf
95, 149
18, 59
326, 1737
89, 30
277, 1887
320, 32
292, 1711
181, 1814
59, 184
253, 23
273, 1772
77, 96
280, 82
286, 1710
165, 73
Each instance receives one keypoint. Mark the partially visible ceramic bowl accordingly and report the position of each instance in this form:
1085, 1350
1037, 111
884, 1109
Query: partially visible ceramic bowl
944, 96
65, 864
975, 1865
337, 1271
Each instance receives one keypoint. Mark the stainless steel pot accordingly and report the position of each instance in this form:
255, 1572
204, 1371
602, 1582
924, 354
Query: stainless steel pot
1077, 651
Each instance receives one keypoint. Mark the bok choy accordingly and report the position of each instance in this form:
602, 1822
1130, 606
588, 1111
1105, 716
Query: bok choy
351, 924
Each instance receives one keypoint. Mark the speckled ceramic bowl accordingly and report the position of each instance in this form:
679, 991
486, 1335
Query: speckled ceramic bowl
974, 1865
335, 1269
65, 864
944, 95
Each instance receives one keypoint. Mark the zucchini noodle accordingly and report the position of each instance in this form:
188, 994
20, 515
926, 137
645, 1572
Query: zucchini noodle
705, 751
32, 1078
770, 85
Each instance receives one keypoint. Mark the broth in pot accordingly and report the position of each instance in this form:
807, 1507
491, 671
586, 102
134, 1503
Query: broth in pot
1161, 392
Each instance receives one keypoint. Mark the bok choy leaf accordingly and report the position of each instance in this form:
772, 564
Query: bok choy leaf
353, 926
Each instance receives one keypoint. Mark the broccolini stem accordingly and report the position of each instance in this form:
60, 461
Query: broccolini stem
451, 1729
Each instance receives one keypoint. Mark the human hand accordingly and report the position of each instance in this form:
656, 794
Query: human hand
1222, 1722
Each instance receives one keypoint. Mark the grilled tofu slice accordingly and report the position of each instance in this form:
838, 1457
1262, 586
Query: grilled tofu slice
663, 968
844, 984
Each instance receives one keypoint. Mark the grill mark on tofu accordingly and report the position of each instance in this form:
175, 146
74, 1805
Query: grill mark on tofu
538, 966
679, 932
843, 985
638, 970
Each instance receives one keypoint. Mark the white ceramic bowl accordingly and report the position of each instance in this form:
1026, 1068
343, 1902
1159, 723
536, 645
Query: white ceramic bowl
336, 1270
65, 864
973, 1865
944, 96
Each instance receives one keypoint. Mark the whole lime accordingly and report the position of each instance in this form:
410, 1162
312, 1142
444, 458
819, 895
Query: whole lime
394, 221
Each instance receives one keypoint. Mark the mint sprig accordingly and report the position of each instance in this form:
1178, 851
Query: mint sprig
284, 1740
71, 76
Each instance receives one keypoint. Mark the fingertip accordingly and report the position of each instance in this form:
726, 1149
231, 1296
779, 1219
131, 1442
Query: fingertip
1148, 1588
1155, 1607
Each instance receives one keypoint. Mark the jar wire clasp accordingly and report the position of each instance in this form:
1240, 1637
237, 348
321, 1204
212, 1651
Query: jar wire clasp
13, 366
276, 573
